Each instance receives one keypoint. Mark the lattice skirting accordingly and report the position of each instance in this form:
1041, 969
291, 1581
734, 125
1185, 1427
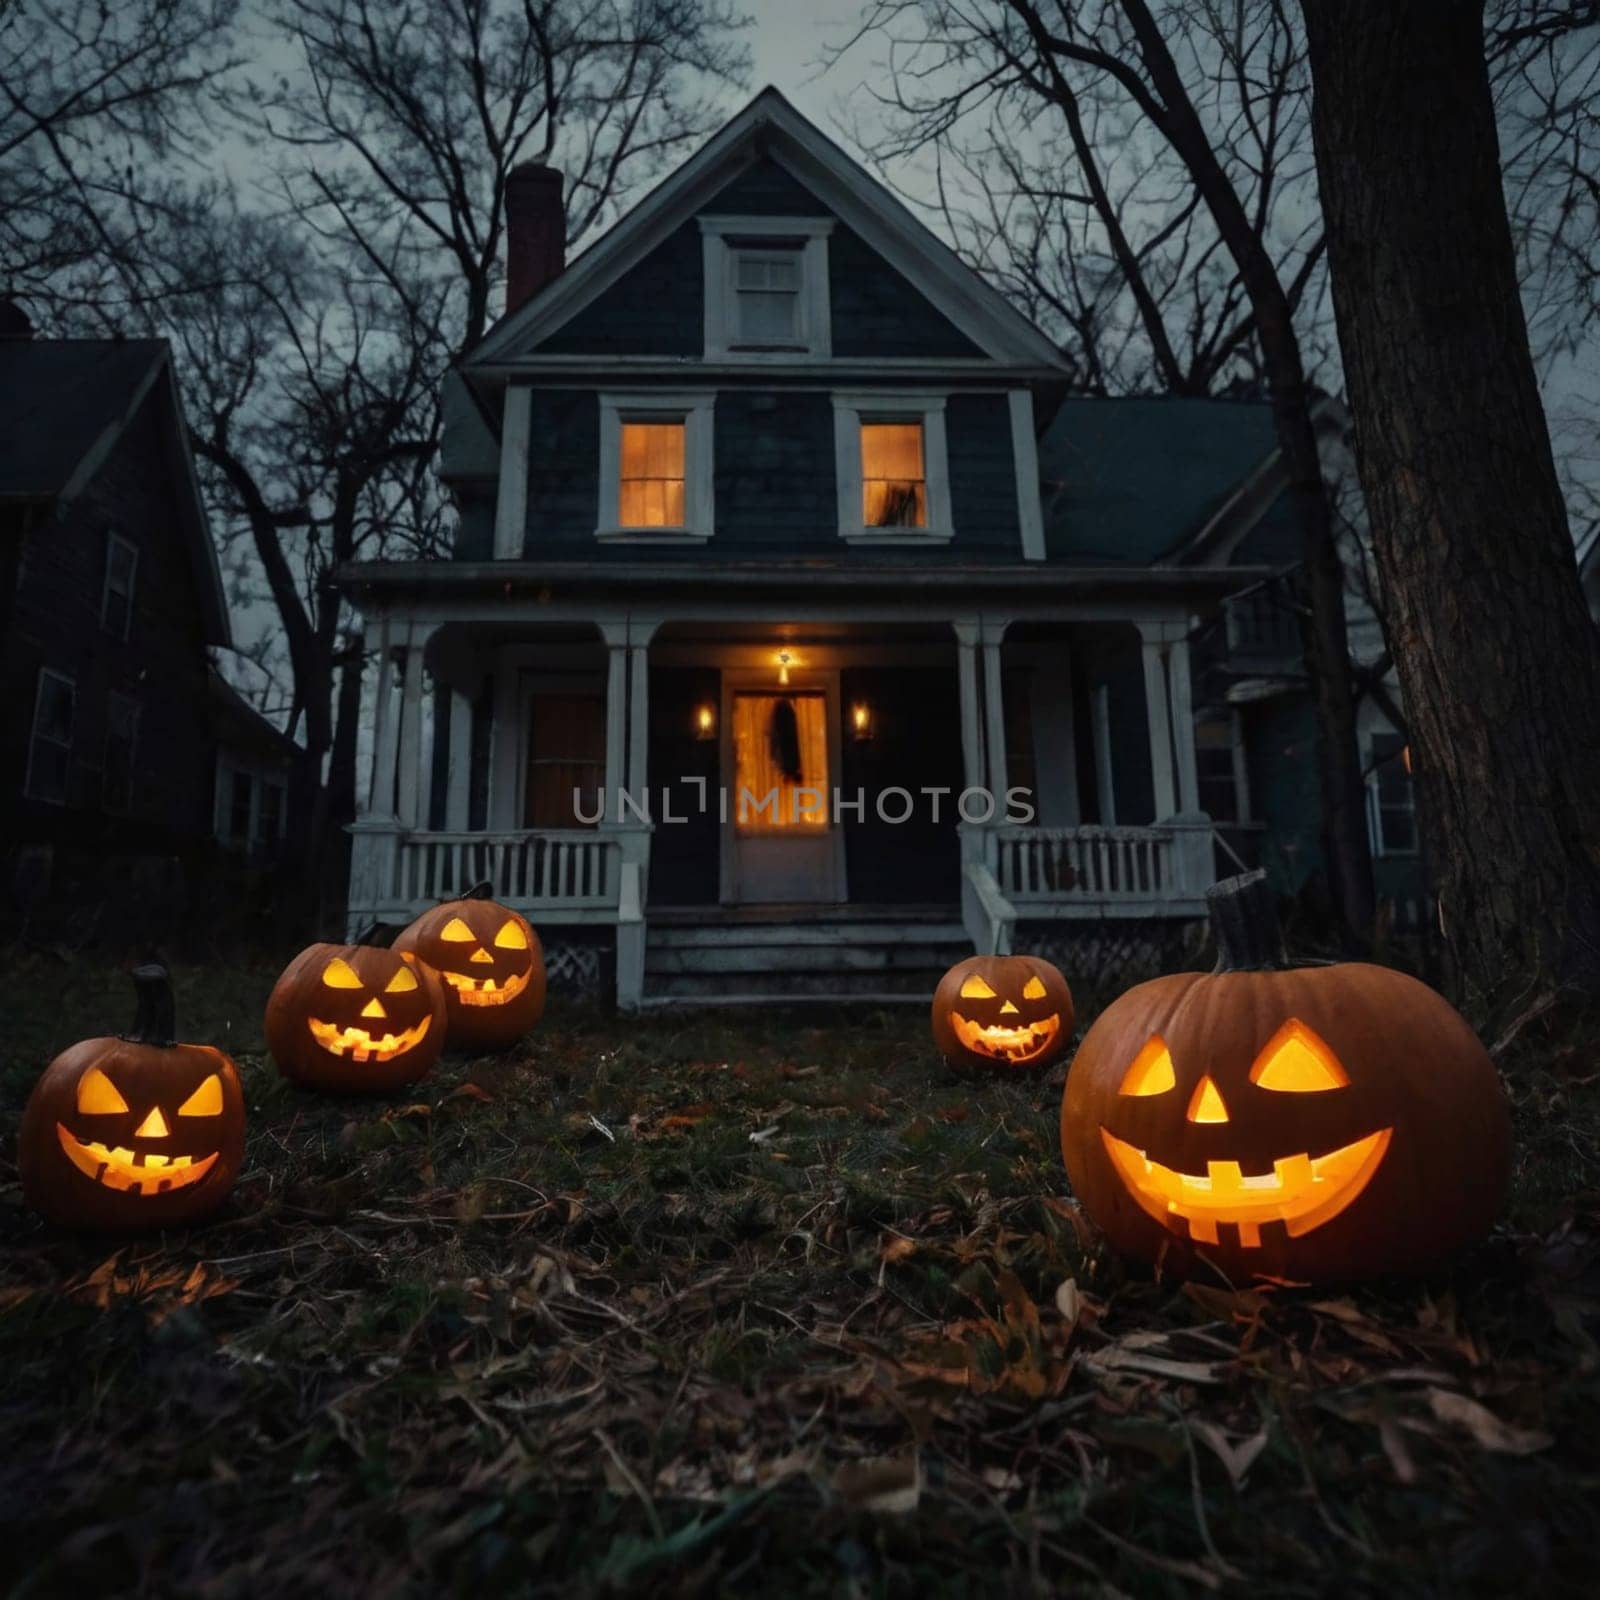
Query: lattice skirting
1108, 957
580, 971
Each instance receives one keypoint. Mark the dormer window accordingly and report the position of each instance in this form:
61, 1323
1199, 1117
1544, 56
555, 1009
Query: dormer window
766, 288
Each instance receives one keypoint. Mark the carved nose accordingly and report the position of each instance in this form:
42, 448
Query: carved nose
153, 1127
1207, 1104
1008, 1010
480, 954
373, 1008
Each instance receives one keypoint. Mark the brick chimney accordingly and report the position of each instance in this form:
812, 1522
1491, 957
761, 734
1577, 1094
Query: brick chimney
536, 231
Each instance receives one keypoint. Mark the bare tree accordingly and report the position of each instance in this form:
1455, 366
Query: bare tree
1236, 287
97, 101
1498, 659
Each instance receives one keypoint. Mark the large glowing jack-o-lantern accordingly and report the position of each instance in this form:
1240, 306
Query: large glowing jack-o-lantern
491, 963
133, 1132
1305, 1123
996, 1012
355, 1017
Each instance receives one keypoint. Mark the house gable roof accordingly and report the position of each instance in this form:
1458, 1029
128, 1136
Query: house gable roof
1140, 480
770, 127
64, 404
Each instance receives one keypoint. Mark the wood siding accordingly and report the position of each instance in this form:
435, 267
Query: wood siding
161, 665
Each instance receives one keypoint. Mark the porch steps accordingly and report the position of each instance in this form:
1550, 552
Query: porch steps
862, 959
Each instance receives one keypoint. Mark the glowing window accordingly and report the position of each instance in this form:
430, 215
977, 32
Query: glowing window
651, 487
894, 484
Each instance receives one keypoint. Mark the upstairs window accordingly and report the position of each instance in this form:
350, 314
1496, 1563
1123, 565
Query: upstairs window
894, 481
766, 288
652, 481
655, 467
892, 468
116, 594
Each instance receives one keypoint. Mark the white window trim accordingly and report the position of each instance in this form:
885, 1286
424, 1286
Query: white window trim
133, 752
720, 262
113, 539
927, 406
694, 407
33, 735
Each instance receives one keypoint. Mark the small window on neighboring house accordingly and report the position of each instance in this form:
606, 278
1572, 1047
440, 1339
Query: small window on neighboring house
894, 484
892, 468
652, 481
1217, 767
122, 735
1391, 798
269, 821
116, 597
240, 803
767, 286
655, 467
50, 747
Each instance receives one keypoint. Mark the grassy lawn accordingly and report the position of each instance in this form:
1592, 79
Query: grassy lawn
715, 1303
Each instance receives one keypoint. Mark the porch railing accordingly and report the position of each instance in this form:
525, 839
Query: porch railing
1152, 866
566, 867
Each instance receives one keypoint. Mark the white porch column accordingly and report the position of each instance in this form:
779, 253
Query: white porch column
639, 636
458, 781
615, 635
994, 719
971, 717
1100, 730
1155, 703
1183, 723
511, 507
411, 729
385, 732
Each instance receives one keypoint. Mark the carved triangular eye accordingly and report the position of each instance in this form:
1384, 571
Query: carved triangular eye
1151, 1072
206, 1101
98, 1095
1296, 1061
404, 979
1034, 989
511, 936
974, 988
456, 931
339, 974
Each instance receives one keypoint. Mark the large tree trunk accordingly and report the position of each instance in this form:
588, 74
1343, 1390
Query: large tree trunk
1321, 580
1498, 659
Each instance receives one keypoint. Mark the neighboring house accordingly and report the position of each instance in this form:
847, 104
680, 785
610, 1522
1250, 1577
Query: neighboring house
254, 762
766, 496
110, 603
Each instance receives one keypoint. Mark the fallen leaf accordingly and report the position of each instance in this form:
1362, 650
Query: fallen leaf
1484, 1426
896, 1247
1236, 1456
1069, 1302
888, 1484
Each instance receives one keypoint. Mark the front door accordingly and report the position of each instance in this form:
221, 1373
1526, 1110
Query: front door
783, 844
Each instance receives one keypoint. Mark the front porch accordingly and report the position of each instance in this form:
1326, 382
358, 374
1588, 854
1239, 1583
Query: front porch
1041, 738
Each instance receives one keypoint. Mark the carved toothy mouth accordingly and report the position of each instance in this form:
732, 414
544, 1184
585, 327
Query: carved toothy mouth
1302, 1192
484, 991
122, 1169
364, 1046
1018, 1044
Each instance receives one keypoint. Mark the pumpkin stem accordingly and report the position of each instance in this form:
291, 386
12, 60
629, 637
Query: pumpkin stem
380, 935
479, 891
1244, 918
153, 1021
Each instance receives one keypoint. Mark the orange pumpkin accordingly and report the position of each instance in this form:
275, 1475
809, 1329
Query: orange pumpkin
135, 1132
1002, 1011
355, 1017
1297, 1122
492, 966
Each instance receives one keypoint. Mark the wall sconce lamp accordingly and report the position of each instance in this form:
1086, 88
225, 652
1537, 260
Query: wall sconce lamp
705, 721
861, 726
784, 658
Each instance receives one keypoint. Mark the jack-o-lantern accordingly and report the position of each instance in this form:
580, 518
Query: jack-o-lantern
134, 1132
492, 966
354, 1017
1305, 1123
1002, 1011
